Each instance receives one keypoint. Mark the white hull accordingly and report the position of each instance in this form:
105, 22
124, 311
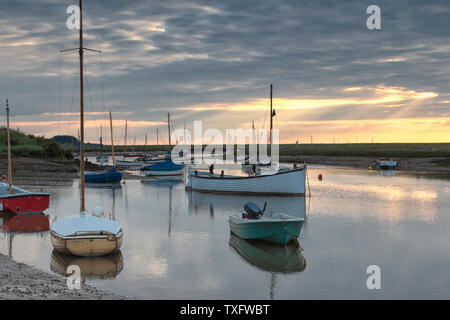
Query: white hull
177, 172
284, 182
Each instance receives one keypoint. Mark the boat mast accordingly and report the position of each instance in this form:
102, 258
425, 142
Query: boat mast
145, 149
271, 115
157, 137
168, 125
82, 207
101, 141
9, 148
112, 139
125, 140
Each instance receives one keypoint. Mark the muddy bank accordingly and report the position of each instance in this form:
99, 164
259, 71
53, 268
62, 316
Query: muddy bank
47, 171
419, 165
20, 281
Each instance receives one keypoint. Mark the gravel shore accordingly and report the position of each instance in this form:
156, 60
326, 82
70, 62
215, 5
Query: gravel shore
19, 281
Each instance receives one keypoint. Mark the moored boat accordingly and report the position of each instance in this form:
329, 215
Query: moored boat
386, 164
110, 176
14, 199
253, 225
86, 235
165, 168
20, 200
284, 182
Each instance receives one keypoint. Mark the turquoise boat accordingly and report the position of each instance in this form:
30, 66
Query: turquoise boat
279, 228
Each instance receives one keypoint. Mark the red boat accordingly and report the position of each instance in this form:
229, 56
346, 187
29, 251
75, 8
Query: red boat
27, 222
22, 201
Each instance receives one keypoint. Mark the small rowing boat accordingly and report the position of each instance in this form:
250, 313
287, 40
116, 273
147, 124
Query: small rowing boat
86, 235
20, 200
279, 228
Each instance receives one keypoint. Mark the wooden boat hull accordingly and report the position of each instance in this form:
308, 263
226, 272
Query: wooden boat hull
87, 246
280, 232
282, 183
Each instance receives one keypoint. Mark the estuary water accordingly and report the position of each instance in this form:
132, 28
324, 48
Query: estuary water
177, 244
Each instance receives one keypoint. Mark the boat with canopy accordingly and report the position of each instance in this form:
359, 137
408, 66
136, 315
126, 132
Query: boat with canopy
85, 234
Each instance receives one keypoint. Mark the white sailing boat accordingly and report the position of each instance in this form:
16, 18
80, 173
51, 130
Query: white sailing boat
85, 234
281, 182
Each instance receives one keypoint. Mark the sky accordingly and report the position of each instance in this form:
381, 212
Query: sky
334, 80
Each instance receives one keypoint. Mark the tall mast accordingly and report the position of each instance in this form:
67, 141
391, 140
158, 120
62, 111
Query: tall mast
145, 149
271, 115
101, 141
83, 203
112, 139
168, 125
157, 137
9, 149
125, 139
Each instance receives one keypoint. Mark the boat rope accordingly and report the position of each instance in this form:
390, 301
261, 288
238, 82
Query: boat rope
293, 236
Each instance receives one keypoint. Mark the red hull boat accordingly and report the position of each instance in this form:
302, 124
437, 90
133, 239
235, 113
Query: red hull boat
22, 201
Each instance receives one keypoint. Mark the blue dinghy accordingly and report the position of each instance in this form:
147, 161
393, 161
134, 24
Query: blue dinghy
165, 168
110, 176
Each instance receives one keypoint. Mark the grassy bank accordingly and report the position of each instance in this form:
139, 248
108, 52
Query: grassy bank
28, 145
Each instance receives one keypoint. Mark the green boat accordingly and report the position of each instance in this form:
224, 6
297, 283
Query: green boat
279, 228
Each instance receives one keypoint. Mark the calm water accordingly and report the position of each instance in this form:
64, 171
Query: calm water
177, 245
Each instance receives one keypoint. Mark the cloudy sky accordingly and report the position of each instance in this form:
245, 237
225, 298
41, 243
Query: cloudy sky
334, 79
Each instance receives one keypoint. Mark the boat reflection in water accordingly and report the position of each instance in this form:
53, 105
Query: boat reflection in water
269, 257
293, 206
25, 223
102, 267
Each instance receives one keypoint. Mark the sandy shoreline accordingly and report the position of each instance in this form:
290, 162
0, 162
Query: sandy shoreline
19, 281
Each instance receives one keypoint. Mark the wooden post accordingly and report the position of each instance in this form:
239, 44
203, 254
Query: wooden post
112, 138
9, 149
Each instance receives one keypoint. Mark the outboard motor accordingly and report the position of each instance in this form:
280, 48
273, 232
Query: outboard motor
253, 211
